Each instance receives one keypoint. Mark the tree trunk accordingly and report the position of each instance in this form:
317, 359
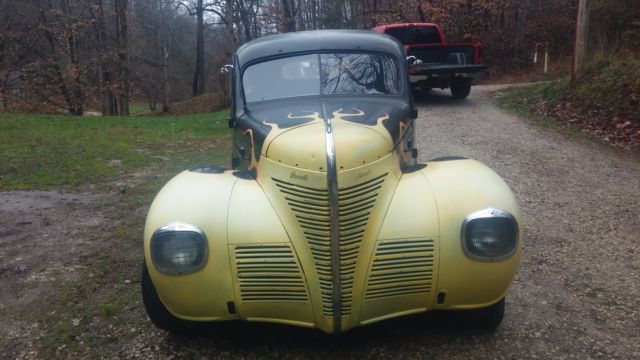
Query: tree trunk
198, 75
123, 56
67, 64
521, 13
243, 11
314, 14
423, 16
166, 104
289, 22
228, 23
106, 89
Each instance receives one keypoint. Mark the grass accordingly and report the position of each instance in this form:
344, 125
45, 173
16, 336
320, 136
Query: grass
610, 87
61, 152
604, 104
97, 312
519, 99
137, 109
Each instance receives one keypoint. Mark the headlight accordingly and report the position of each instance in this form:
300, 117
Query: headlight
179, 249
489, 235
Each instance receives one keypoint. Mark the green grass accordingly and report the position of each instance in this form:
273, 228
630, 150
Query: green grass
610, 87
46, 151
101, 309
519, 99
137, 109
611, 84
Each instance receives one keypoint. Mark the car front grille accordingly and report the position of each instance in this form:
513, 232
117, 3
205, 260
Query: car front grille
269, 272
401, 267
311, 208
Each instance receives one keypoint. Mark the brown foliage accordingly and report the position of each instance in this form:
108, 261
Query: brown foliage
68, 55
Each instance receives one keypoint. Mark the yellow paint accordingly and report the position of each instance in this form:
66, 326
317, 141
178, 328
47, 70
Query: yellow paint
429, 204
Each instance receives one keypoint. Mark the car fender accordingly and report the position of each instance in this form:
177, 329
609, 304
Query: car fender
461, 187
200, 199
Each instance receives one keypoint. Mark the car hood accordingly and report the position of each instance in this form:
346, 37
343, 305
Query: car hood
295, 133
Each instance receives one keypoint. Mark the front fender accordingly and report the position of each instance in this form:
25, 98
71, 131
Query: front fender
200, 199
243, 231
461, 187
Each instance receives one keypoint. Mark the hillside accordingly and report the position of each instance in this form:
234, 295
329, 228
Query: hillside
606, 102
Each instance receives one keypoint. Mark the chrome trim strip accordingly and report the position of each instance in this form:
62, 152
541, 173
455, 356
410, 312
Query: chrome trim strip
334, 223
484, 214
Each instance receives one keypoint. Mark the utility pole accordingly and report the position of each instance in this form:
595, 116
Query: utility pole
582, 37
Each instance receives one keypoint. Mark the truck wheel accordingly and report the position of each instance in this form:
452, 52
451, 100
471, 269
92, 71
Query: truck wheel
159, 315
489, 317
460, 89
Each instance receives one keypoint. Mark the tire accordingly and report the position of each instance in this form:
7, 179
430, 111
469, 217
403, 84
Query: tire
460, 89
420, 94
159, 315
490, 317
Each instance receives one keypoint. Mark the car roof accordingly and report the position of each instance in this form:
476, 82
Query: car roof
317, 41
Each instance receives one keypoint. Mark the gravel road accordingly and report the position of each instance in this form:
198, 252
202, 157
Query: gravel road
577, 292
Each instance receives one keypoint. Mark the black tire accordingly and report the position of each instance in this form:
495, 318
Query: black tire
460, 89
159, 315
490, 317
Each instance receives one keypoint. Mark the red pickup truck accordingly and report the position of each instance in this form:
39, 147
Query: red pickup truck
434, 63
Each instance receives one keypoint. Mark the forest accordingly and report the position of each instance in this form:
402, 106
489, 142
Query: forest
102, 56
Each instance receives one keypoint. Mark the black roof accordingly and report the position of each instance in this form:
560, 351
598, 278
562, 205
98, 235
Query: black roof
319, 40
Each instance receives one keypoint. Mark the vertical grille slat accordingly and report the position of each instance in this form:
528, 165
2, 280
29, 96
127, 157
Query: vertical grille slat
401, 267
311, 209
269, 272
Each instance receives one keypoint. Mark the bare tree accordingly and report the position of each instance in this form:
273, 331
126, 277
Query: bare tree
199, 75
289, 20
123, 56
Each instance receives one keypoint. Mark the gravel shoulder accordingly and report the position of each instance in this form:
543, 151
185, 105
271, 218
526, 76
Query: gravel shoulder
577, 292
576, 295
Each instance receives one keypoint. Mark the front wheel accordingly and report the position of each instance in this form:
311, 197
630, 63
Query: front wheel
158, 313
489, 317
460, 89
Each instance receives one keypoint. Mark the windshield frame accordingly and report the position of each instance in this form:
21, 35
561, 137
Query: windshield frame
402, 80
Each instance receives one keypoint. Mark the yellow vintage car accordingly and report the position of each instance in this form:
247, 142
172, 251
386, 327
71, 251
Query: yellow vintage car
326, 219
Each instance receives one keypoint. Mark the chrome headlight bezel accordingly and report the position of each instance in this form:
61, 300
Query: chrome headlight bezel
489, 213
181, 229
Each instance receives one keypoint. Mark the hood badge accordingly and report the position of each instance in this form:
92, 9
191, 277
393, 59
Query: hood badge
364, 173
299, 177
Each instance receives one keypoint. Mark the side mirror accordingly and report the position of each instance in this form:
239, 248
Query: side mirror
413, 113
412, 60
226, 69
231, 122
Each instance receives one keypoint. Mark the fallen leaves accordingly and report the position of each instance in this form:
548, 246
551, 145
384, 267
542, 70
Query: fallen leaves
621, 130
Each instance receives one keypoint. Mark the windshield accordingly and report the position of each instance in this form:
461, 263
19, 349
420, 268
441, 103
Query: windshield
415, 34
321, 74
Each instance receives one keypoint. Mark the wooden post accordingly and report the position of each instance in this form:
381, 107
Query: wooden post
546, 58
582, 37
